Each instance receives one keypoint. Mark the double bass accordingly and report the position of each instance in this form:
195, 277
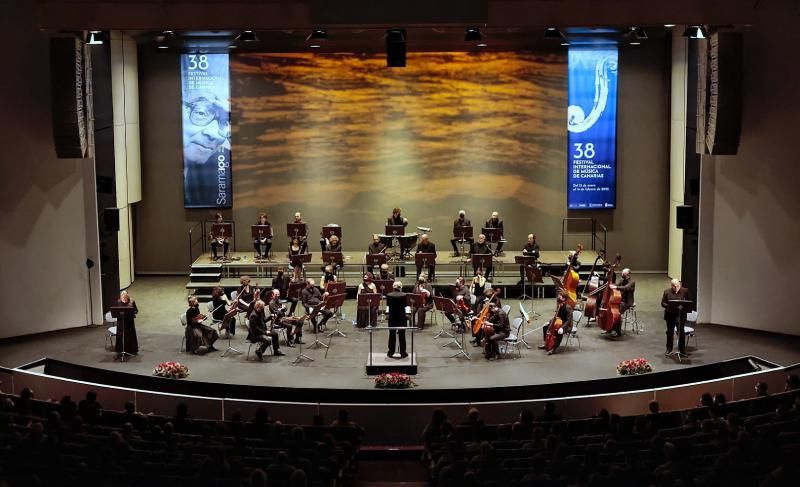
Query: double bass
609, 315
592, 285
571, 279
552, 330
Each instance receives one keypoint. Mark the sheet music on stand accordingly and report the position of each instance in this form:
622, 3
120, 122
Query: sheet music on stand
493, 235
300, 259
383, 286
425, 259
335, 287
261, 231
333, 302
333, 258
481, 261
448, 306
395, 230
296, 230
329, 231
375, 260
121, 313
680, 307
370, 302
414, 301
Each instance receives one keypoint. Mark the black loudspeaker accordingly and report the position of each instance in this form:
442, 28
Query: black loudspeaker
396, 48
111, 219
67, 97
724, 103
684, 217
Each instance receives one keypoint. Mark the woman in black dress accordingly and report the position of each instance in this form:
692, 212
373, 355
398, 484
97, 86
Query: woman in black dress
126, 326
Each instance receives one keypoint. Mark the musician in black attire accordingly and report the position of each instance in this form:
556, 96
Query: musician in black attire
461, 221
281, 282
396, 301
312, 297
495, 222
219, 240
426, 290
627, 287
425, 246
482, 247
565, 313
297, 246
219, 306
531, 249
398, 219
459, 289
674, 317
127, 341
265, 241
385, 274
502, 328
376, 247
200, 337
257, 331
294, 327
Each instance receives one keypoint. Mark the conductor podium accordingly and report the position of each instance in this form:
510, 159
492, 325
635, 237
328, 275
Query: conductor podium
379, 363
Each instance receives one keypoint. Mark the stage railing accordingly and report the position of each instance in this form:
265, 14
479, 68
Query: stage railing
595, 239
196, 235
372, 416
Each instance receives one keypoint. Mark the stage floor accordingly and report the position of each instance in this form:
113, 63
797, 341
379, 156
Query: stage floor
162, 299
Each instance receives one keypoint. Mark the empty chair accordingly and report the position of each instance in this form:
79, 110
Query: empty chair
573, 333
513, 339
690, 326
111, 332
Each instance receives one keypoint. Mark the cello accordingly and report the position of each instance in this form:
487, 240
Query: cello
555, 325
609, 315
477, 324
571, 279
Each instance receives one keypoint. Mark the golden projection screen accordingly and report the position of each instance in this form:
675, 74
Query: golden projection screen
344, 139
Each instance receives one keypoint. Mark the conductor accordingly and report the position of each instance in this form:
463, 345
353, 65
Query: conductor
396, 300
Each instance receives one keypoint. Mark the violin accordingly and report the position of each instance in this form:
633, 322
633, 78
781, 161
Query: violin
609, 314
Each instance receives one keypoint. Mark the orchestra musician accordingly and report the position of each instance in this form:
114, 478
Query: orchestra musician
298, 218
565, 314
461, 221
459, 289
626, 286
476, 288
396, 301
281, 282
127, 341
487, 297
294, 326
495, 222
297, 276
219, 240
384, 274
398, 219
297, 246
265, 241
531, 249
425, 246
257, 331
200, 337
482, 247
498, 319
220, 304
247, 294
327, 244
673, 317
376, 247
426, 290
328, 275
366, 316
312, 297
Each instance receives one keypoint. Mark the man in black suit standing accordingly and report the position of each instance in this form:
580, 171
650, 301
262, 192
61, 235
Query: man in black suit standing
675, 317
396, 301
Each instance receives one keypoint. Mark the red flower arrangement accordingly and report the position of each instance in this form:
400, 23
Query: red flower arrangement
634, 367
394, 380
171, 370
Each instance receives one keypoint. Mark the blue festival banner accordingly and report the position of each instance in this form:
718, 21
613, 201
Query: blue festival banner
205, 86
592, 126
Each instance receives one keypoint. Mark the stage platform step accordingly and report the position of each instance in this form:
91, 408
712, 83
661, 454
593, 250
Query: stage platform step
205, 276
381, 364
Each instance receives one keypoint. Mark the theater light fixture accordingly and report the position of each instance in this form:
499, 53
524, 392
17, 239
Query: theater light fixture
161, 40
553, 33
695, 32
247, 36
316, 38
472, 34
95, 38
636, 32
395, 48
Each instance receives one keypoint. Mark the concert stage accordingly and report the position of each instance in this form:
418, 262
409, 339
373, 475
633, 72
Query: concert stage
342, 365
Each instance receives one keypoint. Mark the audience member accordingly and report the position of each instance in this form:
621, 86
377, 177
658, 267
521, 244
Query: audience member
549, 413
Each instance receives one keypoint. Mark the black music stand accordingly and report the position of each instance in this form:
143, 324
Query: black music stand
375, 260
261, 232
335, 287
415, 302
299, 260
395, 230
677, 306
335, 259
524, 261
439, 303
329, 231
334, 302
423, 260
122, 313
369, 301
463, 234
300, 355
481, 261
223, 231
493, 235
533, 275
296, 230
449, 306
383, 285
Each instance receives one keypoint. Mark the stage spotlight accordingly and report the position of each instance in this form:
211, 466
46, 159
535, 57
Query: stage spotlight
161, 40
95, 38
316, 38
669, 26
396, 48
472, 34
695, 32
553, 33
636, 32
247, 36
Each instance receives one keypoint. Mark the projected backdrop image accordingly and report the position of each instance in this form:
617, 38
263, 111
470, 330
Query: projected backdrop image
344, 139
